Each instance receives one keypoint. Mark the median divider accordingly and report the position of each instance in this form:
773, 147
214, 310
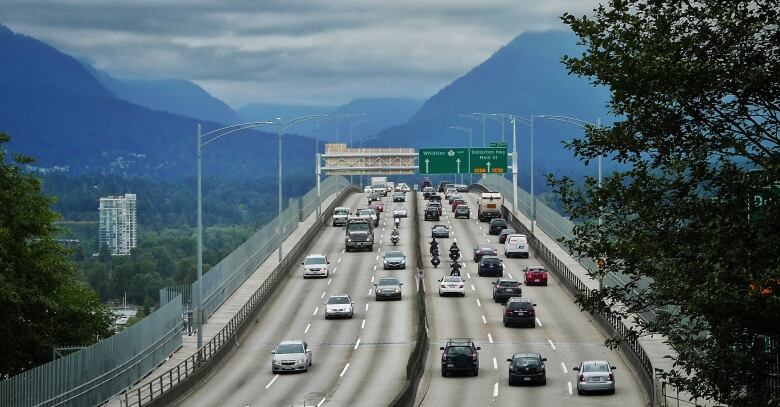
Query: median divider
415, 367
174, 383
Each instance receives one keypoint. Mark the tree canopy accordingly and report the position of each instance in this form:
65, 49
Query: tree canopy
42, 304
691, 219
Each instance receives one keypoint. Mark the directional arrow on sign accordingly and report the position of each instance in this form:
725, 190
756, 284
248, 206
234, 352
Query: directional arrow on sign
458, 161
488, 167
427, 161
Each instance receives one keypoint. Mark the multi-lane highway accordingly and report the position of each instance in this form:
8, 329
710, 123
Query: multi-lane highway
563, 334
356, 362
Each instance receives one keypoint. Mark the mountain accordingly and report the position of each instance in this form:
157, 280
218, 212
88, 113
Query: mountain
58, 112
524, 77
170, 95
267, 111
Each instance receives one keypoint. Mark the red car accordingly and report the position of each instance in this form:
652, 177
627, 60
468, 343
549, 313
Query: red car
535, 275
457, 202
377, 206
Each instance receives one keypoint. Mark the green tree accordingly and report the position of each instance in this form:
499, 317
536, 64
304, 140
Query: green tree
42, 304
695, 88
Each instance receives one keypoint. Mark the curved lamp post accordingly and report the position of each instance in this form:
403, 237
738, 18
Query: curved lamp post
317, 124
201, 141
469, 131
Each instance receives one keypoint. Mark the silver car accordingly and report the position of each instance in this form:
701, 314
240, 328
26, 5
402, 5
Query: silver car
394, 259
388, 288
400, 212
291, 356
339, 306
595, 375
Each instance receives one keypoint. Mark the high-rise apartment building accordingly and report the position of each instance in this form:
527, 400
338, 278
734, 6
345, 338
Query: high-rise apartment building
118, 226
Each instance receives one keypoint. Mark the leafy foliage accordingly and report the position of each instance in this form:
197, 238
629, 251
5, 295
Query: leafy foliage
696, 86
43, 305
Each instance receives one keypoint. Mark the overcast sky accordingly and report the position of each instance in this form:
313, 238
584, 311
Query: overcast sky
323, 52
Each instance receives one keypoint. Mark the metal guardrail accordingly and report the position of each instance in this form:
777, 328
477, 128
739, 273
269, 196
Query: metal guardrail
415, 367
169, 385
633, 349
96, 373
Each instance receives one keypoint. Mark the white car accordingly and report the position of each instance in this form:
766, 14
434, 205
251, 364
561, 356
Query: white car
316, 265
368, 189
339, 306
340, 216
403, 186
452, 285
291, 356
400, 212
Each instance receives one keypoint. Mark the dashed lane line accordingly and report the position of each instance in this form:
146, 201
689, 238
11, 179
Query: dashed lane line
321, 402
570, 388
370, 290
484, 320
272, 381
363, 324
344, 370
366, 306
323, 295
495, 364
307, 328
339, 260
357, 344
539, 322
479, 304
563, 366
472, 288
330, 280
552, 345
495, 390
316, 310
490, 338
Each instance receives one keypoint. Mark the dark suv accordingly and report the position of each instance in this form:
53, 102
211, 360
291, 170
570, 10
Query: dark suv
431, 213
504, 288
520, 310
527, 368
496, 226
460, 355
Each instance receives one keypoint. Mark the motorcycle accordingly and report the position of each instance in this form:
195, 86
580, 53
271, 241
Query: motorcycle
454, 255
394, 239
397, 222
435, 261
455, 268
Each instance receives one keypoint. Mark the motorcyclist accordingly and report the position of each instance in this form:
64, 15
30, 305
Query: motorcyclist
397, 222
435, 261
454, 251
455, 266
395, 237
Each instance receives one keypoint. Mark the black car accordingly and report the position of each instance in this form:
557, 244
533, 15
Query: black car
491, 265
527, 368
399, 197
504, 288
462, 211
443, 186
496, 226
437, 205
460, 356
374, 196
440, 231
428, 191
431, 213
484, 250
520, 310
504, 233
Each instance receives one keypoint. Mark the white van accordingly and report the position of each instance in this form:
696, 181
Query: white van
516, 245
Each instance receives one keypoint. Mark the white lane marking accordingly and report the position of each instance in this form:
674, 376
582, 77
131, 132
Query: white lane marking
552, 345
315, 310
334, 270
490, 338
468, 275
484, 320
372, 277
272, 381
307, 329
344, 371
370, 290
330, 280
377, 257
570, 388
495, 364
488, 240
363, 325
357, 344
510, 275
366, 306
323, 295
339, 260
454, 240
539, 322
563, 366
495, 390
479, 304
343, 250
321, 402
484, 234
472, 288
480, 228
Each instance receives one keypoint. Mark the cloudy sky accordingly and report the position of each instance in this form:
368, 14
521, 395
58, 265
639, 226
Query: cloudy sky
288, 51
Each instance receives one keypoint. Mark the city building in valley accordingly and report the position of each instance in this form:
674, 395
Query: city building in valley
118, 226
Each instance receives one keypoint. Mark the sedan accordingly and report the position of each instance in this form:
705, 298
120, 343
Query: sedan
440, 231
504, 288
535, 275
388, 288
399, 197
394, 259
504, 233
374, 196
527, 368
462, 188
400, 212
452, 285
496, 226
453, 197
377, 206
338, 306
484, 250
491, 265
291, 356
462, 211
456, 203
595, 375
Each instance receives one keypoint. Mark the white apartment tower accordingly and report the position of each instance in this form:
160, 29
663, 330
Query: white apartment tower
118, 225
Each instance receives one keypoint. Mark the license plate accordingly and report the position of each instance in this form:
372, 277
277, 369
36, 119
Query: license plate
527, 378
450, 365
536, 280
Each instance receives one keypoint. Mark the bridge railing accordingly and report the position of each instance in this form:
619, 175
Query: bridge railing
96, 373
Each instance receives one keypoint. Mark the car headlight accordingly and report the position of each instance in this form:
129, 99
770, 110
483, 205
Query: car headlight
349, 239
301, 360
277, 362
397, 290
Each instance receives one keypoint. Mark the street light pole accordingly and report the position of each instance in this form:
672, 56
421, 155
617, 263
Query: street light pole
514, 163
279, 176
533, 197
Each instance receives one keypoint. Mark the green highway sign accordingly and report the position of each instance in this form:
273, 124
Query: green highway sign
490, 160
443, 160
459, 160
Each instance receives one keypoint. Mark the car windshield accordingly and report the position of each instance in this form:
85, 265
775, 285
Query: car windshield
394, 254
527, 361
341, 212
452, 279
366, 212
485, 249
315, 260
358, 227
387, 281
508, 283
536, 270
507, 231
290, 348
592, 367
439, 227
338, 300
